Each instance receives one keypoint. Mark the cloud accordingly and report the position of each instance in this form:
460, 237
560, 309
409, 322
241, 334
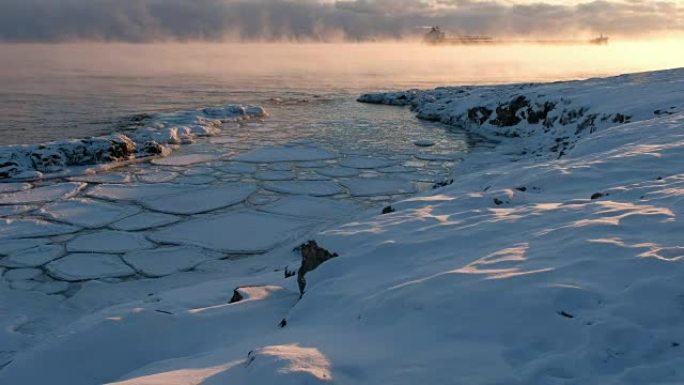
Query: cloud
151, 20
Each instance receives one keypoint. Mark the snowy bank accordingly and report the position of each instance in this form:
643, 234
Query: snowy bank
545, 120
541, 271
143, 136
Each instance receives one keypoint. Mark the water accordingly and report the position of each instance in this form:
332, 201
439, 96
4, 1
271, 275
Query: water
50, 92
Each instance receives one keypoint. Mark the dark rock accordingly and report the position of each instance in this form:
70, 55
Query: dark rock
507, 113
539, 115
565, 314
498, 201
522, 189
48, 160
237, 297
596, 195
588, 122
151, 148
289, 273
388, 210
620, 118
479, 115
442, 184
312, 257
282, 323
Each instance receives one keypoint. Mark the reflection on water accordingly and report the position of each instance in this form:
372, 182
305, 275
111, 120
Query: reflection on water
72, 90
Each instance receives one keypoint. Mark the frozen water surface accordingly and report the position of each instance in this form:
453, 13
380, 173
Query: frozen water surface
317, 158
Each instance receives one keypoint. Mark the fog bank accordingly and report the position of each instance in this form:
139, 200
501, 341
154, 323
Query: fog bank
314, 20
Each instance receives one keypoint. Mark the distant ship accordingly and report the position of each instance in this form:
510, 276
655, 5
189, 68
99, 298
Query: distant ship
601, 40
436, 36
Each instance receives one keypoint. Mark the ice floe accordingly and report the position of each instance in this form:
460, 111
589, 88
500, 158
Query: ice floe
82, 266
313, 188
378, 186
8, 247
144, 221
12, 187
275, 175
6, 211
42, 194
106, 177
108, 241
168, 260
338, 172
137, 192
366, 162
184, 160
285, 154
312, 207
87, 212
238, 168
200, 200
157, 176
32, 227
33, 257
243, 232
22, 274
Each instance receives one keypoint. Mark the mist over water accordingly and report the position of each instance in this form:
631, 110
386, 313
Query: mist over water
51, 92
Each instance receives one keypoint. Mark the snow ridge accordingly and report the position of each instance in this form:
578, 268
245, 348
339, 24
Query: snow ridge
143, 136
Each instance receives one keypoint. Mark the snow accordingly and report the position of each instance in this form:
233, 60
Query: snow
200, 200
313, 188
78, 267
87, 212
244, 232
42, 194
167, 260
544, 262
285, 154
108, 241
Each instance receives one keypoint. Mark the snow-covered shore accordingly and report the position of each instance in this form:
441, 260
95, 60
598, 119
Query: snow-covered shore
144, 135
556, 259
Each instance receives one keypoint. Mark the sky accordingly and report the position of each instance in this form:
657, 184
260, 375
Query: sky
329, 20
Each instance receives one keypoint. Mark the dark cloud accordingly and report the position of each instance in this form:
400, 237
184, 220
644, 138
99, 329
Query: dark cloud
148, 20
